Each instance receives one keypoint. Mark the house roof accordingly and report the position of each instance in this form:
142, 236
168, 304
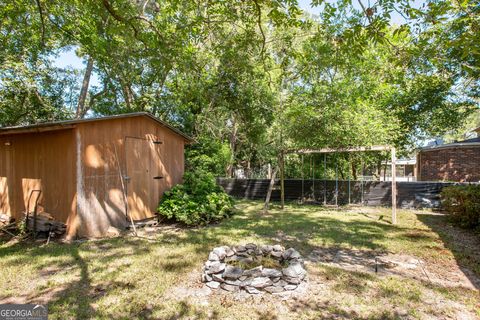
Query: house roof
66, 124
474, 142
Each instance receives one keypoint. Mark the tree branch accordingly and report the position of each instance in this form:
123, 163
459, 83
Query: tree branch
39, 98
144, 6
42, 19
365, 11
259, 23
112, 11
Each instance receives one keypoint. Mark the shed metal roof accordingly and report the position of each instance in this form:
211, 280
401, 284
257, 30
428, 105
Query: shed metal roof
68, 124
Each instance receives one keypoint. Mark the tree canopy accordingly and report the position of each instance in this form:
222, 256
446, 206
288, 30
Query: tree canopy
248, 78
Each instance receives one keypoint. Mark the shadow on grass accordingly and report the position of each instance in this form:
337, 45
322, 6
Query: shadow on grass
299, 229
464, 244
178, 253
82, 263
327, 310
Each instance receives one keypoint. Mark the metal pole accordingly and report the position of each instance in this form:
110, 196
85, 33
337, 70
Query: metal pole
324, 179
313, 176
303, 180
394, 188
336, 181
385, 170
349, 171
282, 179
361, 183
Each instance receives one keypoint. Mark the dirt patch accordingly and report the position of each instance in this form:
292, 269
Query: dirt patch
324, 299
385, 264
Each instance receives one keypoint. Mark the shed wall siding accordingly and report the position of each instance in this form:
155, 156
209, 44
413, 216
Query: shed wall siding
452, 164
42, 161
106, 147
79, 171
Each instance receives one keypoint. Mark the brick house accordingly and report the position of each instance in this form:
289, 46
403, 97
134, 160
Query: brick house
458, 161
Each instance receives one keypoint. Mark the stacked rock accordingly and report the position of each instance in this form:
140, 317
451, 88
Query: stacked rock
218, 273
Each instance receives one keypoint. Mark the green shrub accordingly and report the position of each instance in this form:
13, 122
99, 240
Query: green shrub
208, 155
463, 204
199, 200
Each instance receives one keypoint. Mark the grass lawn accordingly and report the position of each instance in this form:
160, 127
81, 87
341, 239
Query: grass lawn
129, 277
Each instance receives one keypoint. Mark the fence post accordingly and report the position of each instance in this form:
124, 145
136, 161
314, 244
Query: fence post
282, 179
394, 187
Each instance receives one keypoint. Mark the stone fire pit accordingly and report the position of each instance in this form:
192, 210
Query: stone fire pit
254, 269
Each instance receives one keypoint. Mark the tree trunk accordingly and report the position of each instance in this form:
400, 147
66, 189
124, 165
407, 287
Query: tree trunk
81, 110
269, 191
233, 141
127, 96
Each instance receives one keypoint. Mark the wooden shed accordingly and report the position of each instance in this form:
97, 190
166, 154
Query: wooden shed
93, 173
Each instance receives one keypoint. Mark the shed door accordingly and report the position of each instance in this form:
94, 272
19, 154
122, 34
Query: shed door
145, 177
